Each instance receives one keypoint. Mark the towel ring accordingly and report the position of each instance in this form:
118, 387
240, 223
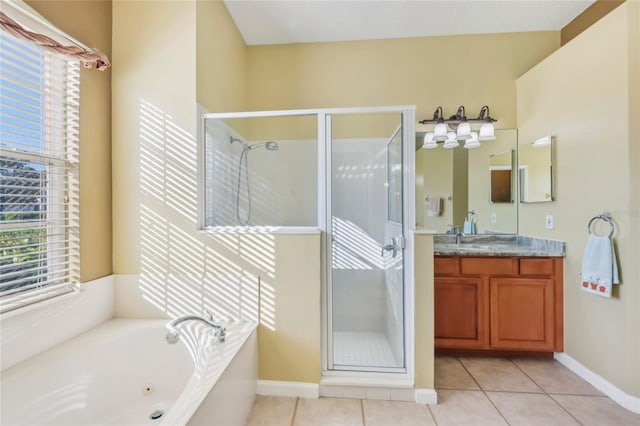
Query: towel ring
606, 216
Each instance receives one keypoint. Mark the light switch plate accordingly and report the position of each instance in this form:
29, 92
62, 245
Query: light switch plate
494, 218
548, 220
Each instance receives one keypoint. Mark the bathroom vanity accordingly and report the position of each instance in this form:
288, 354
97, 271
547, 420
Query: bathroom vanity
496, 294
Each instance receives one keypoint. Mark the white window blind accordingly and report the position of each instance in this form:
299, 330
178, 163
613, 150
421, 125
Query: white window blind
39, 222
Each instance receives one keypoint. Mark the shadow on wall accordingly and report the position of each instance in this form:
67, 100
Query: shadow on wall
354, 248
184, 271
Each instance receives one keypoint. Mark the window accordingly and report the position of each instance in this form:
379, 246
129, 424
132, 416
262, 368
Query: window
39, 223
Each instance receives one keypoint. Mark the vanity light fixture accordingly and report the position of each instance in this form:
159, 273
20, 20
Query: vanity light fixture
429, 143
464, 128
462, 125
472, 143
451, 141
440, 129
544, 141
487, 131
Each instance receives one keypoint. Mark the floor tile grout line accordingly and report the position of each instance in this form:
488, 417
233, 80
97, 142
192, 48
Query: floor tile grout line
483, 391
496, 407
528, 377
577, 394
295, 411
506, 391
564, 409
432, 416
545, 392
464, 367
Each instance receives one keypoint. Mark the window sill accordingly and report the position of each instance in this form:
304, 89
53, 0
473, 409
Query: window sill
56, 294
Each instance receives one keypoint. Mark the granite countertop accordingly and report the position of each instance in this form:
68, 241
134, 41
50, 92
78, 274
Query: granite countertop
497, 245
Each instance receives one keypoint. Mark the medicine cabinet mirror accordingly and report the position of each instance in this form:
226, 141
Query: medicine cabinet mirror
535, 170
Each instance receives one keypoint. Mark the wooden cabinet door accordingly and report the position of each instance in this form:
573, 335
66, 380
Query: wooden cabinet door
522, 314
461, 319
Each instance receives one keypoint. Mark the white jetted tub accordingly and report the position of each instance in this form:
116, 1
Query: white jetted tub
125, 373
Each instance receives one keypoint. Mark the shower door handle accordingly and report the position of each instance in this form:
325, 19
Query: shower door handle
392, 247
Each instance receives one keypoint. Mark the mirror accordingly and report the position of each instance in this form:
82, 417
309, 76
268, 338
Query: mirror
450, 183
501, 177
535, 171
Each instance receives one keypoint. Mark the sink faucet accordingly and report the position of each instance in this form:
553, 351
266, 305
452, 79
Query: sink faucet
173, 334
459, 236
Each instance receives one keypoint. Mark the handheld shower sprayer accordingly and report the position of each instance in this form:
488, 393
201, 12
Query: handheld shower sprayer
243, 168
270, 145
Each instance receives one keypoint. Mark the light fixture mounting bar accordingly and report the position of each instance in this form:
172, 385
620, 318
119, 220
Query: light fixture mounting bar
483, 117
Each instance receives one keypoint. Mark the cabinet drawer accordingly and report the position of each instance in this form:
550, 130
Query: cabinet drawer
542, 266
444, 266
486, 266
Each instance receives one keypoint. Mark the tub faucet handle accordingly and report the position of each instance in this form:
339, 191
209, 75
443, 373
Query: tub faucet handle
209, 315
220, 334
219, 331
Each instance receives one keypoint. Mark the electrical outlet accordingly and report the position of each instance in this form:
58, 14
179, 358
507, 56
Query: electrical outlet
548, 220
494, 218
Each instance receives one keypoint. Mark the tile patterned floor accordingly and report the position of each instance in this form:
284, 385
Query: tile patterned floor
363, 349
471, 391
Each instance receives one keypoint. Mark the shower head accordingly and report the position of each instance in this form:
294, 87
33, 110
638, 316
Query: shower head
271, 146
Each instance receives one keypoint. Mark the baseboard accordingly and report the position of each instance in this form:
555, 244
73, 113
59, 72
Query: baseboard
312, 391
290, 389
629, 402
426, 396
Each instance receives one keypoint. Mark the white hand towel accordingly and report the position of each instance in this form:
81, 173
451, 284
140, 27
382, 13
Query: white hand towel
599, 266
434, 206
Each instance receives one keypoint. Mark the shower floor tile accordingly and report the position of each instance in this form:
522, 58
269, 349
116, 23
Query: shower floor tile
362, 349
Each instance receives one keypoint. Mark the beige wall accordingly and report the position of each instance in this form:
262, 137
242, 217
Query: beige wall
167, 56
154, 121
425, 71
424, 314
586, 94
90, 23
289, 333
220, 59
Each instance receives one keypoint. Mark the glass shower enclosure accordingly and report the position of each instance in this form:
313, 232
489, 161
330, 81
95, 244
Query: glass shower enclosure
366, 243
348, 172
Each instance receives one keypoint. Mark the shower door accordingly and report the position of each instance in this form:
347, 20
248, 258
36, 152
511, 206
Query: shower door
366, 244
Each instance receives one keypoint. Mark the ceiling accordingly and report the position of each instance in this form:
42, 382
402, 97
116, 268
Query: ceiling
305, 21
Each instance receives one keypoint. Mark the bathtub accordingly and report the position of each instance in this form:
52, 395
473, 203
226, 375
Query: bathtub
123, 372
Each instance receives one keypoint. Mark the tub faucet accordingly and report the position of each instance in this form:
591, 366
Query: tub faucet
459, 236
173, 334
